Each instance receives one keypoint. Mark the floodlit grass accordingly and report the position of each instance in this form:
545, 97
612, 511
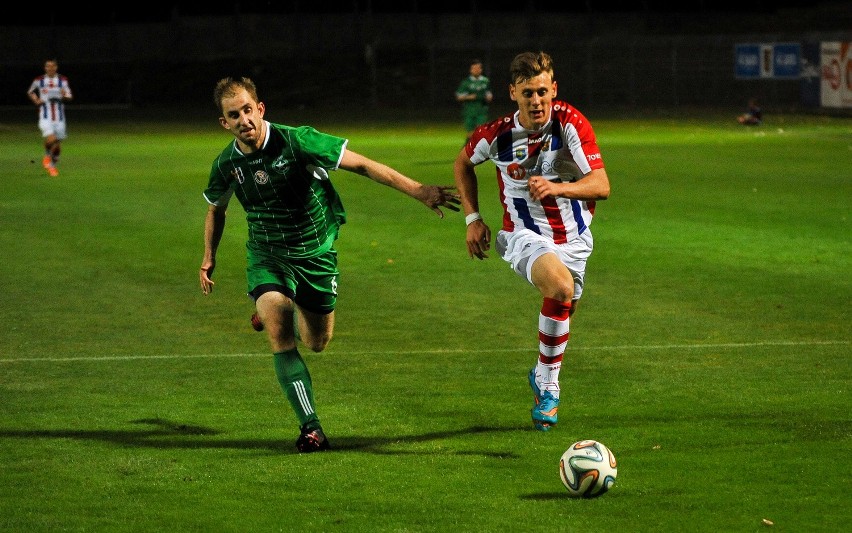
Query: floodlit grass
710, 353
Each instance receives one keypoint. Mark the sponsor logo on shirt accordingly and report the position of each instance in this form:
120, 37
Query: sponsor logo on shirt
261, 177
516, 171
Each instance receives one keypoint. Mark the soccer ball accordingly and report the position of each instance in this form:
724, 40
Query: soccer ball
588, 469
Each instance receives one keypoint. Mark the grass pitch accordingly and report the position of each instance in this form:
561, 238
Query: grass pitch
710, 352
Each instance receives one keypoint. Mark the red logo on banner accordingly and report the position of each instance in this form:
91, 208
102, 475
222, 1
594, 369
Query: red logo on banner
831, 73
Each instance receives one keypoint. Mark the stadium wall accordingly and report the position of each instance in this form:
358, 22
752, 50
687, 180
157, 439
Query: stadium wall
393, 61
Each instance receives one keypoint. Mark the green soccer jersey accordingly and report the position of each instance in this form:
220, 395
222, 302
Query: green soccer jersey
479, 86
291, 206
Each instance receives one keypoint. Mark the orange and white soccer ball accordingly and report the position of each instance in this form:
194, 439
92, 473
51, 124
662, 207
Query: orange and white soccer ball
588, 469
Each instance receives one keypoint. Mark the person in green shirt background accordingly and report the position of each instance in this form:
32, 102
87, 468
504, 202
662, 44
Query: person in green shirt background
280, 176
474, 93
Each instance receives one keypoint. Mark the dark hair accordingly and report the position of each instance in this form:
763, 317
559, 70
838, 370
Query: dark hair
528, 65
228, 87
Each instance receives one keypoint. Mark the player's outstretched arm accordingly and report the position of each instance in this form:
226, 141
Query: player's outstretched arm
432, 196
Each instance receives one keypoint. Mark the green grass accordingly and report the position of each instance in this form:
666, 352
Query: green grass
710, 353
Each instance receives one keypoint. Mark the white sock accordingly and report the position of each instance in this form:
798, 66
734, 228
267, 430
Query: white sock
547, 376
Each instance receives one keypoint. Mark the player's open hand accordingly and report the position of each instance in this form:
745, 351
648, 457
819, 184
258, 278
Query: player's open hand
204, 276
435, 196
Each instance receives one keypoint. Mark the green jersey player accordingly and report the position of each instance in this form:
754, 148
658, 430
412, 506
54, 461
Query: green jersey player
280, 176
474, 93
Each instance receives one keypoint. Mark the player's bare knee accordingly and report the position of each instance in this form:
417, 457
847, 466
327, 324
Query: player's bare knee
317, 343
563, 292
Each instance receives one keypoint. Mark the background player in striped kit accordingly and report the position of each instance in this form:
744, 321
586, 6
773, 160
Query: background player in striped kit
280, 175
550, 174
50, 92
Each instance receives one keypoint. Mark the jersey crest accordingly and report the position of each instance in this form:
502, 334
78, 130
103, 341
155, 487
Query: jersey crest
280, 165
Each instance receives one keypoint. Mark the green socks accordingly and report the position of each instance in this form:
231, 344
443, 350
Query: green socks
295, 381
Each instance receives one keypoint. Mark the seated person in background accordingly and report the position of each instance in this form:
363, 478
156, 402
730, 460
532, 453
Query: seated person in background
753, 114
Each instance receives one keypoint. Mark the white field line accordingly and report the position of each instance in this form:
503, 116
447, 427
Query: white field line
625, 347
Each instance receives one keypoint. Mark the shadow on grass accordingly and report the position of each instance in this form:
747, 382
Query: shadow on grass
165, 434
560, 495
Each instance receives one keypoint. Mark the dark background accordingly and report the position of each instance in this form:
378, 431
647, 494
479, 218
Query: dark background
69, 13
408, 54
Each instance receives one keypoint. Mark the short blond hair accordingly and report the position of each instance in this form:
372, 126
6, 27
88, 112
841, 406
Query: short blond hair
528, 65
228, 87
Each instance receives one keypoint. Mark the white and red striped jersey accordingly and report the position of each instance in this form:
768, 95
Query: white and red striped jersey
51, 89
565, 149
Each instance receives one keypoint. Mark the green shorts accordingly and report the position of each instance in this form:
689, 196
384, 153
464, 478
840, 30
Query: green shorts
474, 117
311, 282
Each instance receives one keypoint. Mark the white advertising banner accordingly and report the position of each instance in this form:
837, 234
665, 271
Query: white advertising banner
836, 74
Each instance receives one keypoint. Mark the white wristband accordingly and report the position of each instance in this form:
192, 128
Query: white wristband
473, 217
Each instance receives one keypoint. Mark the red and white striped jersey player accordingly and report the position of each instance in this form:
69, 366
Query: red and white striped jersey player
550, 174
50, 92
